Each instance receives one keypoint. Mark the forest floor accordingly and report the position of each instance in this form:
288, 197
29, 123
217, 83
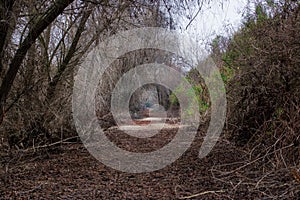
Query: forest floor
68, 171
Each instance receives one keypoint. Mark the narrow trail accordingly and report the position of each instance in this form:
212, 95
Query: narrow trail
70, 172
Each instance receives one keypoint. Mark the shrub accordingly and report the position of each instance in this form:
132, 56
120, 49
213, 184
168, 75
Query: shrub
263, 95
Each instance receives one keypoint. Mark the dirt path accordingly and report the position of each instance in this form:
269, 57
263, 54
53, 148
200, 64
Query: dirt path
70, 172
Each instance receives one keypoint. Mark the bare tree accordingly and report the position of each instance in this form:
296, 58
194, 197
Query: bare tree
42, 23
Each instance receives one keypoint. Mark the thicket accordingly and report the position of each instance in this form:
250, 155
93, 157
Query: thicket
262, 65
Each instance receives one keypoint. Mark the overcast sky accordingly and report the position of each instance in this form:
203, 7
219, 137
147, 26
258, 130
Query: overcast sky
216, 19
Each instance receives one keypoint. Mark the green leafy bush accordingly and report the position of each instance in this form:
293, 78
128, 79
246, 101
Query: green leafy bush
196, 95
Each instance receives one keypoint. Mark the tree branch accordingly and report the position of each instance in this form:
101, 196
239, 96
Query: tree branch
69, 55
42, 23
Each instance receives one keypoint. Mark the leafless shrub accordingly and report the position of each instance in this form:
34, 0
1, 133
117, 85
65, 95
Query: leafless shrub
264, 94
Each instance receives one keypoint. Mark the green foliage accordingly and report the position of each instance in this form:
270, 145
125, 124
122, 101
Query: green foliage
227, 73
261, 13
194, 95
173, 99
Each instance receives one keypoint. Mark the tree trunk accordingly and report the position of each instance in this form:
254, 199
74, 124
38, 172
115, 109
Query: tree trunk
42, 23
6, 7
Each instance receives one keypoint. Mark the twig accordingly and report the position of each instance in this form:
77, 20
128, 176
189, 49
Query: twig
253, 161
202, 193
50, 145
200, 8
